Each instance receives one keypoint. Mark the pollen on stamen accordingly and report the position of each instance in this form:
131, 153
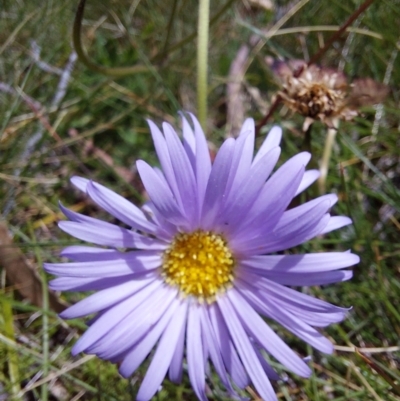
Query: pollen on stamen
199, 264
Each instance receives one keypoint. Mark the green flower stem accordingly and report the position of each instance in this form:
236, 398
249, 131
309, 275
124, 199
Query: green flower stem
202, 61
326, 156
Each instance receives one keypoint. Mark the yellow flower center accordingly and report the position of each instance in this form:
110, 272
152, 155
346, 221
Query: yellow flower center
199, 264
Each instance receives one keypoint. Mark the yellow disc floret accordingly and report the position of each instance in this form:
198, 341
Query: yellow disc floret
199, 264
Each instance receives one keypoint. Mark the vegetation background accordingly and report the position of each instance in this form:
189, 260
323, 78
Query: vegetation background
59, 118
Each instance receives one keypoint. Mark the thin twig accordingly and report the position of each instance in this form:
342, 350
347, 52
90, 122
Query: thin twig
271, 111
64, 80
35, 53
372, 350
386, 80
27, 99
169, 27
39, 111
308, 29
339, 33
234, 93
54, 375
364, 381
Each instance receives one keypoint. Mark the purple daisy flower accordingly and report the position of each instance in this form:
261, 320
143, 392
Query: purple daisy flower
198, 267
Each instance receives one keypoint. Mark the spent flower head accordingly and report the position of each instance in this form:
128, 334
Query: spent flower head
202, 263
324, 94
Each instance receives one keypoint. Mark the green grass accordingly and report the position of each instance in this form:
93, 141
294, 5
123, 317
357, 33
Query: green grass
98, 130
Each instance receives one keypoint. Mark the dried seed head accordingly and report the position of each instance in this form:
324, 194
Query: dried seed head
323, 94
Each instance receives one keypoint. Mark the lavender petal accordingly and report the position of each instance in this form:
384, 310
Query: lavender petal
336, 222
163, 355
194, 350
104, 299
119, 207
265, 336
246, 350
136, 355
272, 140
310, 176
303, 263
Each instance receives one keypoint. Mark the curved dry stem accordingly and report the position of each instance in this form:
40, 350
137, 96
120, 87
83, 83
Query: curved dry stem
82, 55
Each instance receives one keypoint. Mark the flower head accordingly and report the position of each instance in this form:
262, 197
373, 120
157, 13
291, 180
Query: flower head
324, 94
198, 266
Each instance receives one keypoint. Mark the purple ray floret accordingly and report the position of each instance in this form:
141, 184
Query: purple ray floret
197, 269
